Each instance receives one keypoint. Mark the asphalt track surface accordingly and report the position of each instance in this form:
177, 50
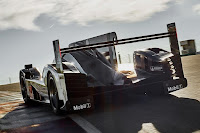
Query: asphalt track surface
121, 112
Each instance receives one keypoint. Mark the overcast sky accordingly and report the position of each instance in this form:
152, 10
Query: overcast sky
27, 28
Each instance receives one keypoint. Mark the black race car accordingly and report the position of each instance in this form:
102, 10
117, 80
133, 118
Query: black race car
89, 68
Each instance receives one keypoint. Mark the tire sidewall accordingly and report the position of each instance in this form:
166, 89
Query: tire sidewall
51, 81
25, 96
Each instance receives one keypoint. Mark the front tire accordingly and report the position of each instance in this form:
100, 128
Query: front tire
53, 95
24, 89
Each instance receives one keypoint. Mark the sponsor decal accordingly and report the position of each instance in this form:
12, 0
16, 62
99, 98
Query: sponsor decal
82, 106
176, 87
156, 68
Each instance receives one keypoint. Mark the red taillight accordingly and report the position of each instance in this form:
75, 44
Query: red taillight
59, 51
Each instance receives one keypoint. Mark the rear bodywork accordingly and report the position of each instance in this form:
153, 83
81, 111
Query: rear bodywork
89, 68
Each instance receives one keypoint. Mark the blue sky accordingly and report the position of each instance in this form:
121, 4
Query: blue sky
27, 28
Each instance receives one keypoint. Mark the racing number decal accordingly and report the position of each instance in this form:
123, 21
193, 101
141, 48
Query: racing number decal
30, 91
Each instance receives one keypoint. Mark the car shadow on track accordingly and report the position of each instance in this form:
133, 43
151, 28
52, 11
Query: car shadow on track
119, 113
134, 113
37, 117
24, 115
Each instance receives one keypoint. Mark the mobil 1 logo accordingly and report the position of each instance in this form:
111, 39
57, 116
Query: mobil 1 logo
175, 87
82, 106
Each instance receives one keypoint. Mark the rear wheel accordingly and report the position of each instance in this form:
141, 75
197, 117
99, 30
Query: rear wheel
24, 89
53, 95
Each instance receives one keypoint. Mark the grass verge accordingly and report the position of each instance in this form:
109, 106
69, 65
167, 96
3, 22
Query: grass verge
10, 87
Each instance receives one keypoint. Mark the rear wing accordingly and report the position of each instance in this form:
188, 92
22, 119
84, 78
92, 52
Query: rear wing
172, 34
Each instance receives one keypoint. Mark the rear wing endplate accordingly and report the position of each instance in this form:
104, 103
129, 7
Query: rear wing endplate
58, 59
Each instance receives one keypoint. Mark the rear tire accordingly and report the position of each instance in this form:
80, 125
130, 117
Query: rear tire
53, 95
24, 89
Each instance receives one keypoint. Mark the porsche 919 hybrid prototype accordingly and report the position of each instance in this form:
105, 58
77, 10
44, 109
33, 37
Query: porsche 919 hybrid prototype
88, 68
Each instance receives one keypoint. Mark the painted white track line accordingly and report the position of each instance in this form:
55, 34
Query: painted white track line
88, 127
